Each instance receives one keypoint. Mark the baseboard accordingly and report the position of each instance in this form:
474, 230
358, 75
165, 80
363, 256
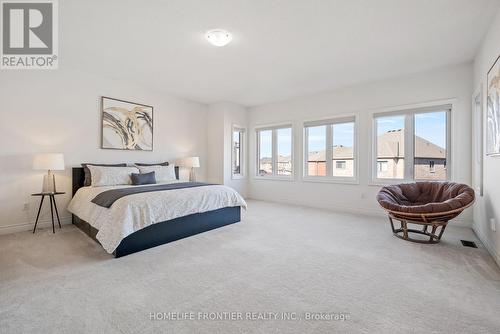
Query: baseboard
461, 222
335, 208
7, 229
493, 252
379, 213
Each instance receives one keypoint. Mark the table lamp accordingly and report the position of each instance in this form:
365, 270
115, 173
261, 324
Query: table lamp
191, 162
49, 162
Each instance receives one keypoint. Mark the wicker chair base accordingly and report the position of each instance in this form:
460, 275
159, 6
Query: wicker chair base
404, 232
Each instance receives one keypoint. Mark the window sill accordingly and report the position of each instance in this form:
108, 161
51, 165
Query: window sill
321, 179
388, 182
275, 178
238, 177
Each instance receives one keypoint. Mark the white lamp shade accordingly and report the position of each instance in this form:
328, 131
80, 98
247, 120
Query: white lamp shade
191, 162
48, 161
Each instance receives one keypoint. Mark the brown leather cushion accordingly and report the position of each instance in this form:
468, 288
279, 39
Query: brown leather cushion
425, 197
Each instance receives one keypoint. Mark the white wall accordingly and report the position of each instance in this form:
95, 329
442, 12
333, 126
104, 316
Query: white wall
222, 116
215, 141
448, 83
59, 111
488, 206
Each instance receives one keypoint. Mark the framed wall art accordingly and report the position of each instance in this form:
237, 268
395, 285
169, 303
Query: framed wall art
126, 125
493, 110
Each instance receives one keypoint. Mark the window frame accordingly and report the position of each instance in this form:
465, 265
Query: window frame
409, 159
274, 150
329, 122
243, 144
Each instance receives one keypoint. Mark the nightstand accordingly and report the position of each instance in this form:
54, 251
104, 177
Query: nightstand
53, 207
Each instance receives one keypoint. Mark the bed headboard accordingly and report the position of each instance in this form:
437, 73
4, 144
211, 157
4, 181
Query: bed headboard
79, 177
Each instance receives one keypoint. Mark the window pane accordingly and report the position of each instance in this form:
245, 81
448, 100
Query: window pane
430, 146
390, 147
265, 152
236, 155
343, 149
382, 166
284, 159
316, 143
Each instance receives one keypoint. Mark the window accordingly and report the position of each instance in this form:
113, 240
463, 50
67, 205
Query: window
391, 147
265, 152
330, 149
431, 167
275, 151
237, 153
430, 145
343, 149
284, 158
413, 145
382, 166
316, 153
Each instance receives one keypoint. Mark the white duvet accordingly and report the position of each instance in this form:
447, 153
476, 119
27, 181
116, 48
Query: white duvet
134, 212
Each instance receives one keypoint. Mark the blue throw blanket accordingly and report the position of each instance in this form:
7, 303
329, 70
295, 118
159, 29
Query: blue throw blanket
108, 197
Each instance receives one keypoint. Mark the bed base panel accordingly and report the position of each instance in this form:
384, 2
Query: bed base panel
168, 231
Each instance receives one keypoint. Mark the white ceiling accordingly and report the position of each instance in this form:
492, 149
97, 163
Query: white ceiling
280, 48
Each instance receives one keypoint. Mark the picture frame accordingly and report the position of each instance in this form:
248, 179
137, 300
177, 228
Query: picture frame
493, 110
126, 125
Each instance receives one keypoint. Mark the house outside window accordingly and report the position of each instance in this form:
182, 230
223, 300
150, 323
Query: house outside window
412, 145
382, 166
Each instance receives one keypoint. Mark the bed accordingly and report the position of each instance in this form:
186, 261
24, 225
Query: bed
133, 223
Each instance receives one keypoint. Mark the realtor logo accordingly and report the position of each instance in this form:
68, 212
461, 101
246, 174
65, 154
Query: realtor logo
29, 34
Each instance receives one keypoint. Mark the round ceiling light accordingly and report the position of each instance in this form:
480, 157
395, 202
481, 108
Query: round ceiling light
218, 37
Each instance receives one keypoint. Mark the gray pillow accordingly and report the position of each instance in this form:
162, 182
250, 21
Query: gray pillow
147, 178
88, 177
146, 164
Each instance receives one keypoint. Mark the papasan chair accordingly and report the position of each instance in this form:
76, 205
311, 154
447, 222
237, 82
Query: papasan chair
430, 204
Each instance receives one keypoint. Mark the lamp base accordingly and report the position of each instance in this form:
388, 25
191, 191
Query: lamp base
49, 183
192, 175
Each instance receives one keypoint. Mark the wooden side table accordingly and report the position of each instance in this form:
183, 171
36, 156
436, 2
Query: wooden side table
53, 207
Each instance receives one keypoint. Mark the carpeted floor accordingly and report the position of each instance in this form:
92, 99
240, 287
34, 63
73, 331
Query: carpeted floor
293, 261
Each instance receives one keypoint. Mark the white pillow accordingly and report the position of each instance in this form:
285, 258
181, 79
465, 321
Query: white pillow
162, 173
111, 176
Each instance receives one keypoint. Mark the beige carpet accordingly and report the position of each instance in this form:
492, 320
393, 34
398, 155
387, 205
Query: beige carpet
288, 260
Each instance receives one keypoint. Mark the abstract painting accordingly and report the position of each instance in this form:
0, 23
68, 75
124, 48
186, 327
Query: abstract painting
493, 116
126, 125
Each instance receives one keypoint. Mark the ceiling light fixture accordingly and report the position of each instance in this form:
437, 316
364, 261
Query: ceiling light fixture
218, 37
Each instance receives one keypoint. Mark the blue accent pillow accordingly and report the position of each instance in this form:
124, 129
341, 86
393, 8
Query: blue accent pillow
157, 164
146, 178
